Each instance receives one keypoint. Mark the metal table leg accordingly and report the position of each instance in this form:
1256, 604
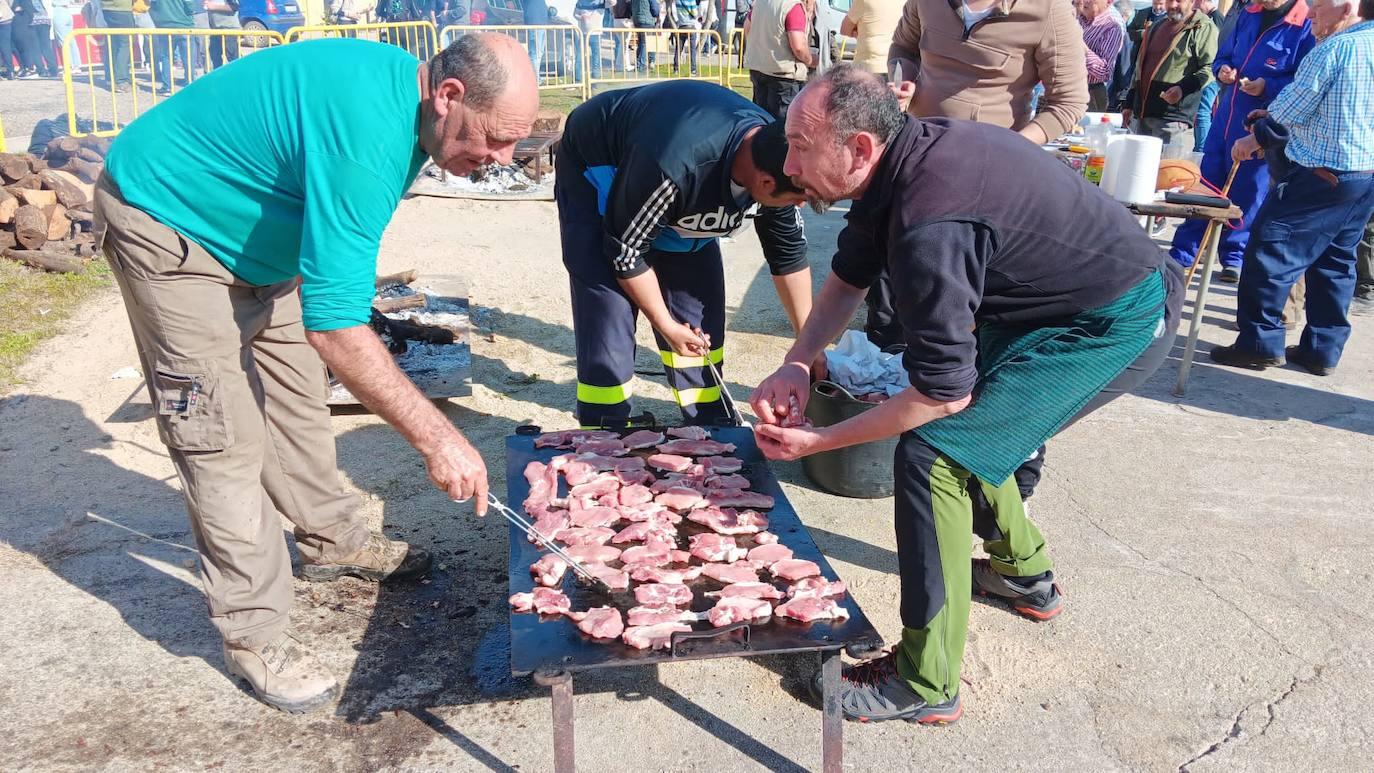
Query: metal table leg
832, 719
1199, 305
564, 755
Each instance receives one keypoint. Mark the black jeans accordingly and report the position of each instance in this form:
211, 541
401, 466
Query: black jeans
1097, 97
7, 47
774, 94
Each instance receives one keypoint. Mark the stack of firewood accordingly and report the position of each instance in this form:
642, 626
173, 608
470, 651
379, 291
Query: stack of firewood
45, 203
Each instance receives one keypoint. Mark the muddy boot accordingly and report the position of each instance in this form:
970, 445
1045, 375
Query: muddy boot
282, 674
378, 559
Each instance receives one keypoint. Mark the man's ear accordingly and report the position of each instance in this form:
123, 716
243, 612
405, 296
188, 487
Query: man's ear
865, 150
448, 96
769, 183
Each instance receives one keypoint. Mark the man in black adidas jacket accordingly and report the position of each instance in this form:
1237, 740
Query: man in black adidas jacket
648, 180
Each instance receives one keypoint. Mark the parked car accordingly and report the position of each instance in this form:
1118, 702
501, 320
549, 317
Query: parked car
264, 15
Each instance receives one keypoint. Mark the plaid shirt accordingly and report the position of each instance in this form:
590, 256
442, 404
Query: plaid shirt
1329, 106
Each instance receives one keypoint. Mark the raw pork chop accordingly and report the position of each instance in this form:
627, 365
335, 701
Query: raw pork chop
578, 472
655, 554
649, 512
615, 579
551, 523
669, 462
738, 498
545, 601
656, 615
645, 530
766, 538
770, 554
663, 594
729, 521
678, 480
737, 609
593, 517
669, 576
733, 480
728, 574
609, 447
636, 495
643, 637
816, 587
696, 447
679, 498
599, 622
581, 535
593, 554
748, 590
809, 609
645, 438
603, 483
571, 437
794, 569
690, 432
719, 465
716, 547
548, 570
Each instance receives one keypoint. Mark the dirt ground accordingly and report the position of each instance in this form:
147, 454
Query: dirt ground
1214, 552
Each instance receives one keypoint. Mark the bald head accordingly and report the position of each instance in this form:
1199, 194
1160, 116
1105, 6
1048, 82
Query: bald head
482, 98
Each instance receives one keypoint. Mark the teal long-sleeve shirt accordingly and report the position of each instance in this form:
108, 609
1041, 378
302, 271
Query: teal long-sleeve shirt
289, 162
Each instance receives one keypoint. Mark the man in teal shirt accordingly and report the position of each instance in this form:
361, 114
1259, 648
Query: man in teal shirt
242, 219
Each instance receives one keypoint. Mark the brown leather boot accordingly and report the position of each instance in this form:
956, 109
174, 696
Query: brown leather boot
283, 674
378, 559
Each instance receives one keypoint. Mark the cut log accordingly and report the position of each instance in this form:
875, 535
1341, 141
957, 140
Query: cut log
400, 278
38, 198
8, 205
389, 305
90, 155
7, 240
78, 215
100, 145
48, 261
59, 227
90, 172
30, 227
30, 181
86, 188
68, 193
14, 167
60, 149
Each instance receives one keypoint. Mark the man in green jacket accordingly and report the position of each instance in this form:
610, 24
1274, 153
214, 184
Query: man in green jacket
118, 14
176, 15
1173, 65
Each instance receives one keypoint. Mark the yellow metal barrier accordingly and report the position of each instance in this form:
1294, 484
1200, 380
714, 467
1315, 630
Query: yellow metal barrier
138, 68
667, 55
417, 37
2, 137
737, 74
556, 51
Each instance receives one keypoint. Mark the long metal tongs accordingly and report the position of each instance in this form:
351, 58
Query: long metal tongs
726, 399
529, 530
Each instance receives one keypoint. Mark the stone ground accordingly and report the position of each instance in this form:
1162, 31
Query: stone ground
1214, 551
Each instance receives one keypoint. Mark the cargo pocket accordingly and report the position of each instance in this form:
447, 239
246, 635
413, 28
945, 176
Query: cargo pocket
189, 406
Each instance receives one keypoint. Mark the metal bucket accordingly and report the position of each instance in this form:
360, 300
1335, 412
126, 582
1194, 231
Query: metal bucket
864, 470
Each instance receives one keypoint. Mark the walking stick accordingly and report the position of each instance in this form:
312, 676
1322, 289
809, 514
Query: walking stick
1213, 230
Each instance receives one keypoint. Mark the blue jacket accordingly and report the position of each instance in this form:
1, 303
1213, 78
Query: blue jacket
1271, 54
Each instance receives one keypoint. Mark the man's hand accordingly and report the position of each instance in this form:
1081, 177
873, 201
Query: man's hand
820, 368
1254, 88
1227, 74
781, 398
1246, 148
458, 470
1255, 115
787, 443
685, 340
1171, 95
1126, 118
904, 92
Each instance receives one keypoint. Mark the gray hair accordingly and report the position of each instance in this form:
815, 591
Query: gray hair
475, 63
860, 101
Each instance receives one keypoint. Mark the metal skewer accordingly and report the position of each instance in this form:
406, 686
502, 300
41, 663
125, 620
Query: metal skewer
529, 530
727, 399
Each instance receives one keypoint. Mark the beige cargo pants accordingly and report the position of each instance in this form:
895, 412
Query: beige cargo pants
239, 398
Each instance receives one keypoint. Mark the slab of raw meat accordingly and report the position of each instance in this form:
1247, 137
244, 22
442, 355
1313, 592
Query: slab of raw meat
738, 498
689, 432
716, 547
808, 609
669, 576
669, 462
649, 512
640, 477
729, 521
748, 590
581, 535
551, 523
679, 556
545, 601
608, 447
676, 480
570, 437
600, 622
603, 483
646, 555
816, 587
577, 472
663, 594
729, 574
636, 495
736, 609
770, 554
593, 517
592, 554
679, 498
733, 481
645, 530
645, 438
616, 579
765, 538
696, 447
656, 615
794, 569
719, 465
643, 637
549, 570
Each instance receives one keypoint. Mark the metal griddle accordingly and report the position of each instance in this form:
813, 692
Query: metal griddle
552, 649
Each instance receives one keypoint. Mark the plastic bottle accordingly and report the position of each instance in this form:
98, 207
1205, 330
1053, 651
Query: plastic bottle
1098, 138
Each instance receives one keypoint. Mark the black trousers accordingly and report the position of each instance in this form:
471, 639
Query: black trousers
7, 48
604, 317
774, 94
1097, 97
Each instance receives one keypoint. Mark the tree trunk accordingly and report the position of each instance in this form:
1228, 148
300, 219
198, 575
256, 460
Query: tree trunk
48, 261
8, 206
59, 227
14, 167
67, 193
30, 227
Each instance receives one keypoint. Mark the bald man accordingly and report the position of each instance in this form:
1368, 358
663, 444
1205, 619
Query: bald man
242, 219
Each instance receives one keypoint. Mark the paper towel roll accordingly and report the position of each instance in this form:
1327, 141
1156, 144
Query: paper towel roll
1108, 183
1132, 168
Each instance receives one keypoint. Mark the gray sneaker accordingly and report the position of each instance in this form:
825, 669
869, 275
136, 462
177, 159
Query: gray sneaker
1362, 307
873, 691
1038, 600
379, 559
